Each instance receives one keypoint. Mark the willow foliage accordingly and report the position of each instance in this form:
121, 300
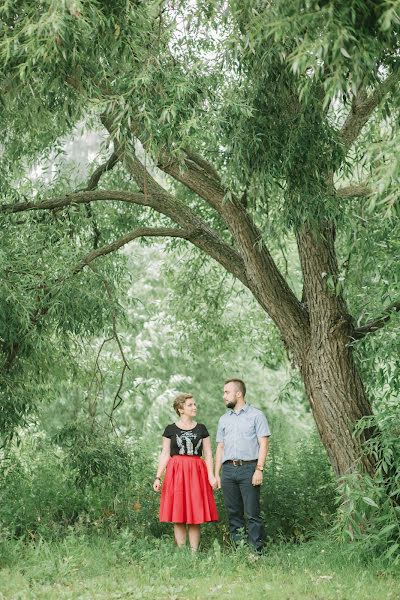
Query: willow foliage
262, 90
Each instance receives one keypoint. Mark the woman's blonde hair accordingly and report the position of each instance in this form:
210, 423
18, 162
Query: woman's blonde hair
179, 402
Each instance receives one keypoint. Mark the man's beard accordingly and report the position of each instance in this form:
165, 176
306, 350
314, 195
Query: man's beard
231, 404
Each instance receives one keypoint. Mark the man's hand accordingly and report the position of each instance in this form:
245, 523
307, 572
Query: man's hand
218, 482
212, 481
257, 477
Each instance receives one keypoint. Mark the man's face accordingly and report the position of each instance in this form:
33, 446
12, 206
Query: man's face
230, 394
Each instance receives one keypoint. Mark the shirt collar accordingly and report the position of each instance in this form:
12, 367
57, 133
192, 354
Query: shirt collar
244, 408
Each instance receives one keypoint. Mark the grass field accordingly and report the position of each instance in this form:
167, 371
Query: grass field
103, 568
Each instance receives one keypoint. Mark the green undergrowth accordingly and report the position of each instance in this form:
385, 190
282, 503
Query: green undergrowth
99, 567
89, 482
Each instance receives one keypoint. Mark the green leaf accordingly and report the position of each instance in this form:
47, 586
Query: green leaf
370, 501
388, 528
344, 52
391, 550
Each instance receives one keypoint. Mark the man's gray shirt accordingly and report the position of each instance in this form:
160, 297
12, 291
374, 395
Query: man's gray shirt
239, 432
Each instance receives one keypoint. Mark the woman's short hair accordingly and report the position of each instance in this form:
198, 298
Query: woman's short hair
179, 402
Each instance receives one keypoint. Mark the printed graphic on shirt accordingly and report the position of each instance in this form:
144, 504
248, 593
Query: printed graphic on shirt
186, 441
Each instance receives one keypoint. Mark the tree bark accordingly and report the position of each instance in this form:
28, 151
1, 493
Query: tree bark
338, 400
331, 378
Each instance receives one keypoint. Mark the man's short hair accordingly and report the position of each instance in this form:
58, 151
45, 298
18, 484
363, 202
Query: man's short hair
239, 384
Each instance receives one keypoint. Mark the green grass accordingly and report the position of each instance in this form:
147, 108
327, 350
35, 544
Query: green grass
103, 568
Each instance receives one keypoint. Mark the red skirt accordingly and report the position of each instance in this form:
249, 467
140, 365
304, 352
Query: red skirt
186, 494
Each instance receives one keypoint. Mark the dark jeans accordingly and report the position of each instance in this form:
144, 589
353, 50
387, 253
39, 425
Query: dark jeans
242, 500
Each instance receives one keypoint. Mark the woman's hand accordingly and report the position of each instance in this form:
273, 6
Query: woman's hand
157, 484
212, 481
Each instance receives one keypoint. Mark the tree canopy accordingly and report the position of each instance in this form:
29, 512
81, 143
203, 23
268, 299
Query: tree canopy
244, 128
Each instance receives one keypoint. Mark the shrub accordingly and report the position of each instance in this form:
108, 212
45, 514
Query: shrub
299, 492
94, 482
37, 494
370, 507
88, 480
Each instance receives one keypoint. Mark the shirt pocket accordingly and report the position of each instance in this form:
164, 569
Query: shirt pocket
231, 429
249, 432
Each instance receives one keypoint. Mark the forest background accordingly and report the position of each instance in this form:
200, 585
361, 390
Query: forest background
258, 145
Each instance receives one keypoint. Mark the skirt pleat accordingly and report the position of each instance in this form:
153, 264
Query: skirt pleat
186, 494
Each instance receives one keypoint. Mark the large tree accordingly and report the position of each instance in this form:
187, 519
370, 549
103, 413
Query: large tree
235, 125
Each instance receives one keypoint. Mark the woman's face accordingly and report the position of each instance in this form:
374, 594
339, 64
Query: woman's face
189, 409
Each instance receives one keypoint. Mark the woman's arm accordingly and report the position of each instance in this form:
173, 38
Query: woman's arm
162, 463
208, 458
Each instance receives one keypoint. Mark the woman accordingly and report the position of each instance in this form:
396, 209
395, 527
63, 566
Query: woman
186, 495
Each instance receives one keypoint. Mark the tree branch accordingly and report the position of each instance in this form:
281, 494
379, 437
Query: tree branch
129, 237
92, 185
203, 164
75, 198
117, 401
266, 281
180, 213
200, 177
262, 275
362, 108
99, 172
378, 323
207, 240
92, 402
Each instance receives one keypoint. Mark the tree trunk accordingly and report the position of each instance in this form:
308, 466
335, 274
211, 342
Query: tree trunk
338, 400
332, 382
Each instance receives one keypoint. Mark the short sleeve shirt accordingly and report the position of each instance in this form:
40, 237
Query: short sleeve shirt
186, 442
240, 432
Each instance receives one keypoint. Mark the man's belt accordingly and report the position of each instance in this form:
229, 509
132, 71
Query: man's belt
239, 462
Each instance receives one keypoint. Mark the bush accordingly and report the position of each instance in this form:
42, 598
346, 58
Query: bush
88, 480
93, 482
299, 492
368, 515
370, 507
37, 494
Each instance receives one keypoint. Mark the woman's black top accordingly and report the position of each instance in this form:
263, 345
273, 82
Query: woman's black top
186, 442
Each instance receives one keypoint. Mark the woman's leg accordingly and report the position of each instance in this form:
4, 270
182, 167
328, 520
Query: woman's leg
180, 534
194, 536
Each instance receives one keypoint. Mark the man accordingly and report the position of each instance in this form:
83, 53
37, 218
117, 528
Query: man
242, 447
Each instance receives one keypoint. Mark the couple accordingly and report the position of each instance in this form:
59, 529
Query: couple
242, 446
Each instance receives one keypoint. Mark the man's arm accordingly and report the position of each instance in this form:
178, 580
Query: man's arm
262, 455
218, 462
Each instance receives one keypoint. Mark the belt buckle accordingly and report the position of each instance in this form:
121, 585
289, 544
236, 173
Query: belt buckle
237, 463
